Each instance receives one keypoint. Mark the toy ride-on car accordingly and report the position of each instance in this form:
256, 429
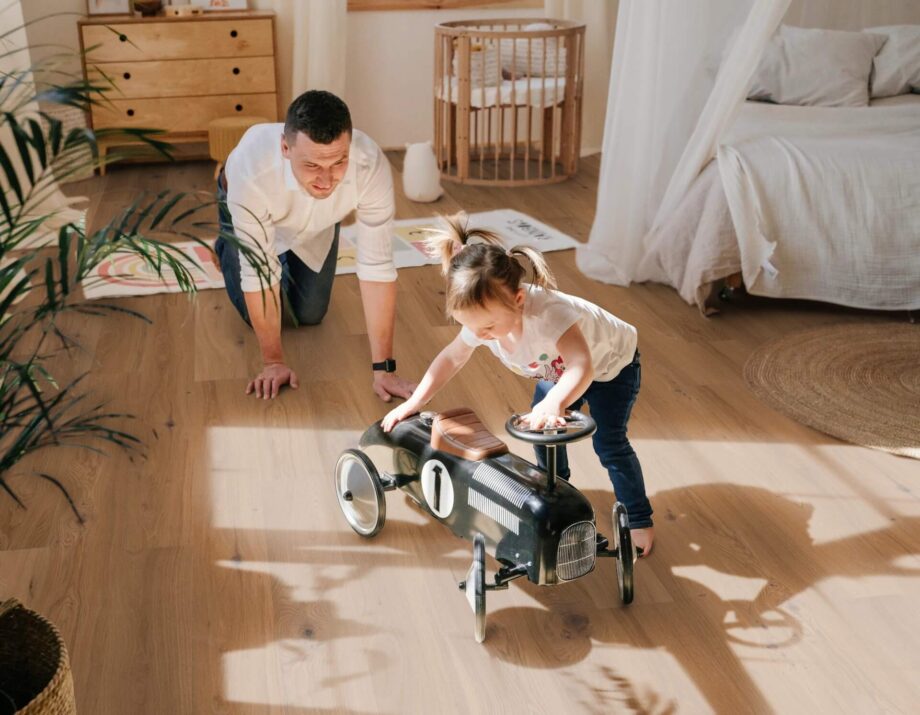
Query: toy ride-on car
532, 523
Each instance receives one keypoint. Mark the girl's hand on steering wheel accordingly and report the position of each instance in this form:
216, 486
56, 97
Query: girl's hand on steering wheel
545, 415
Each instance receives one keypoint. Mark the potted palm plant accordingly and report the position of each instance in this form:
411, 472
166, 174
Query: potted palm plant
45, 256
46, 253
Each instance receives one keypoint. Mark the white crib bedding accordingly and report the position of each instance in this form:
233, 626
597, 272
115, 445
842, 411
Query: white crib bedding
530, 91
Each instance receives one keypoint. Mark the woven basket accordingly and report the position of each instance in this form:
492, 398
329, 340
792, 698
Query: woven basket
34, 668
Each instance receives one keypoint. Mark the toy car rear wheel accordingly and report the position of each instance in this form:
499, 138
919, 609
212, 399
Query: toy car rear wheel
626, 552
360, 493
477, 586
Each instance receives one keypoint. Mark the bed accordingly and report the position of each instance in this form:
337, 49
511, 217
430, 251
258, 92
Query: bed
818, 203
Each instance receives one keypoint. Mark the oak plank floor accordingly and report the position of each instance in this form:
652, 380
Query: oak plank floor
215, 573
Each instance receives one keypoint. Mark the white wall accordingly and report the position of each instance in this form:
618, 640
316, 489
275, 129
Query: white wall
52, 34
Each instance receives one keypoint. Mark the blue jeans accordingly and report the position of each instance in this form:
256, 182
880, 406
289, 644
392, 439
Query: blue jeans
611, 404
305, 292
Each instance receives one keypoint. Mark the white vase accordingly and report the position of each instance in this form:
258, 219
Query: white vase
421, 178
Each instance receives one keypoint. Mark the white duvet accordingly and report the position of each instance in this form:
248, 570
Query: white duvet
807, 202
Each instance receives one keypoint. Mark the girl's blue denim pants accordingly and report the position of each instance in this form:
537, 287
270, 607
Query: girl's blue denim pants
610, 403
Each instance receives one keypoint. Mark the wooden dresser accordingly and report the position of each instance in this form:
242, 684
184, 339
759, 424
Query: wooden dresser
178, 74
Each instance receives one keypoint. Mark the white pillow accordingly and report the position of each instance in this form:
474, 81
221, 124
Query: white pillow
897, 67
827, 68
517, 49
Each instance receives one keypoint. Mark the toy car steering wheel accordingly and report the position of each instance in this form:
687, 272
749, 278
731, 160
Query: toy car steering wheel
577, 426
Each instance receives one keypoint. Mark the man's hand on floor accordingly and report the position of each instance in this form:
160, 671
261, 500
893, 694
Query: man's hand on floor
268, 383
388, 385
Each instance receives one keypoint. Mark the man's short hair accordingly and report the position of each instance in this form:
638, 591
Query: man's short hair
320, 115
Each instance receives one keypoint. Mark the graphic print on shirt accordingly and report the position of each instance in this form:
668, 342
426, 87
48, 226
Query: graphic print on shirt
544, 370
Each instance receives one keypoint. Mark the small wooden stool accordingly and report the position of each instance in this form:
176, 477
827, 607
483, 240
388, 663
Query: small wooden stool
225, 133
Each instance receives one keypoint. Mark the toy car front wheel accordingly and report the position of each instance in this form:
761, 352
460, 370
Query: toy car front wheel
360, 492
475, 586
626, 553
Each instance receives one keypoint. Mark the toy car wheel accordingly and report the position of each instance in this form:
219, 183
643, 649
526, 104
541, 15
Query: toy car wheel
360, 492
626, 552
475, 586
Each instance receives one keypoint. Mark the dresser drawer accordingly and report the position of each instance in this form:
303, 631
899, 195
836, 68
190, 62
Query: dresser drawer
179, 114
187, 78
172, 40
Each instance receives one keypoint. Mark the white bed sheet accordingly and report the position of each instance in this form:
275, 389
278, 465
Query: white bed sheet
807, 202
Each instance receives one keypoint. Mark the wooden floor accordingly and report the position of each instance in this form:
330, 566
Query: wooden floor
217, 574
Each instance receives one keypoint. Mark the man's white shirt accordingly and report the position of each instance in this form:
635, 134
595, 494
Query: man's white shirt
272, 210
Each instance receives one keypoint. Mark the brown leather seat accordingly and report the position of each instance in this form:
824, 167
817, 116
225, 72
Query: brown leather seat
460, 433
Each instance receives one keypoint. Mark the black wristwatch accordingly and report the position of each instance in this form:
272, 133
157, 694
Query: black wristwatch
388, 365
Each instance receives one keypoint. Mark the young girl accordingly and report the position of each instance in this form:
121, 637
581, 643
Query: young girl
578, 352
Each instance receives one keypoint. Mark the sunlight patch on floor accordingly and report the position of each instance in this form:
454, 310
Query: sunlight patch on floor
270, 477
727, 587
854, 490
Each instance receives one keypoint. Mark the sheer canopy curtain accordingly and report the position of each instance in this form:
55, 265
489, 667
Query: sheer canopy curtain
665, 58
669, 103
311, 38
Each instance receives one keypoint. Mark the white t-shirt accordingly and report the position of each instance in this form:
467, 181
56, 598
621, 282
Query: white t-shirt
547, 315
262, 189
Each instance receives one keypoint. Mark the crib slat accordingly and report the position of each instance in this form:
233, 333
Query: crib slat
579, 96
568, 149
463, 109
529, 114
514, 107
438, 85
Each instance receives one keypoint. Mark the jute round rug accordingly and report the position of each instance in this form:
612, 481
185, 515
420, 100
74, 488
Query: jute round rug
856, 382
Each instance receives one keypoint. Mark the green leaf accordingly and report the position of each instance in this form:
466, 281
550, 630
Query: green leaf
165, 209
11, 176
64, 258
22, 144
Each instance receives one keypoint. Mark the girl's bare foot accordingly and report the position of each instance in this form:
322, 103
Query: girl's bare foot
642, 539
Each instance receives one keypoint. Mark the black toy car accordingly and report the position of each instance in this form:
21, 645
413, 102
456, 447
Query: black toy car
533, 524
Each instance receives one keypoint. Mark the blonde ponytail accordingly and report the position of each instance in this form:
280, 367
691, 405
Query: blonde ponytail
483, 270
541, 276
446, 243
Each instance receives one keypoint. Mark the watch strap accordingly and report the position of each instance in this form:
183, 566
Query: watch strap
388, 365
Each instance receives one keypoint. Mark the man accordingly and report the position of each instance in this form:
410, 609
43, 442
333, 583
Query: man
287, 187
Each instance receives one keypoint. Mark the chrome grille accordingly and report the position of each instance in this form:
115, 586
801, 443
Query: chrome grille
498, 513
501, 484
577, 551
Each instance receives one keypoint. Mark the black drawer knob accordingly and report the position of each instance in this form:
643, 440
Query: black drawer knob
239, 107
236, 70
127, 75
233, 33
122, 38
130, 112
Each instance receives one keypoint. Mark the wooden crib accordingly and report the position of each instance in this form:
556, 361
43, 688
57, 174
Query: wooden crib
507, 100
